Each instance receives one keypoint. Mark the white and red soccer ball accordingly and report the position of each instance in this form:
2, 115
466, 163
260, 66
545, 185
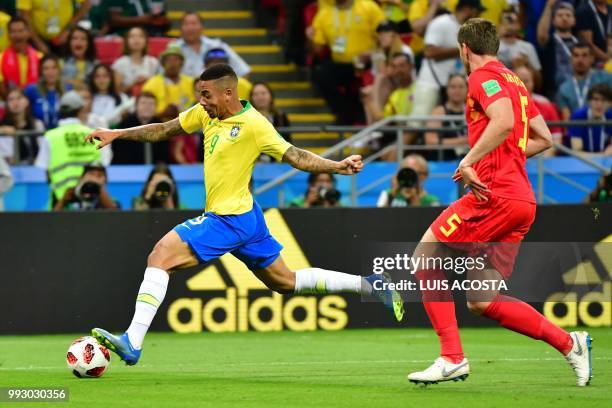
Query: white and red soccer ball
87, 358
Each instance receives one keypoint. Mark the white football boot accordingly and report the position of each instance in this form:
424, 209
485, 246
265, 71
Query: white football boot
441, 370
579, 357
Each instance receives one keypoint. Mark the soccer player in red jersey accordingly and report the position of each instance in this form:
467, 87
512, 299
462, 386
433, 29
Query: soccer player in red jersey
504, 129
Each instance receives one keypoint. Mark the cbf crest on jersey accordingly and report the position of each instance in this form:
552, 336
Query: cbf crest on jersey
235, 130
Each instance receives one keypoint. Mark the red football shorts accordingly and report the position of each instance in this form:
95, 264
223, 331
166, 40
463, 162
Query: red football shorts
498, 220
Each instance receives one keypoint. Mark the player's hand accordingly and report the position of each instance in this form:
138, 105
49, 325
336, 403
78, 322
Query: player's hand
350, 165
105, 136
468, 175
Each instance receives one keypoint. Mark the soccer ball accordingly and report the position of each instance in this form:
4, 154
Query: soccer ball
87, 358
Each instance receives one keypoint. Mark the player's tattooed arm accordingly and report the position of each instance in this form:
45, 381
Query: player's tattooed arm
307, 161
153, 132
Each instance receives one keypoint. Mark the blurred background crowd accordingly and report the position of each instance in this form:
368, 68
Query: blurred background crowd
67, 66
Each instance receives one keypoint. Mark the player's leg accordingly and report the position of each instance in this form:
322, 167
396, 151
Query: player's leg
440, 308
512, 224
520, 317
169, 254
439, 304
261, 254
278, 277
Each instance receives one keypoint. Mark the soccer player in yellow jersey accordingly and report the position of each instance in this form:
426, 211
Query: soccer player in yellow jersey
235, 134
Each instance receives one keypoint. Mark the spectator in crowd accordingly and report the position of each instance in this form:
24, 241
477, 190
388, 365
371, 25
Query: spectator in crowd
18, 117
195, 46
19, 62
6, 180
532, 80
80, 57
52, 20
159, 191
400, 101
98, 17
608, 65
456, 94
511, 48
594, 25
420, 14
127, 152
173, 90
321, 192
216, 56
408, 185
389, 43
349, 29
90, 193
62, 151
294, 40
530, 12
92, 120
134, 68
596, 138
123, 15
556, 44
4, 20
396, 11
603, 191
45, 95
262, 99
572, 93
107, 102
441, 55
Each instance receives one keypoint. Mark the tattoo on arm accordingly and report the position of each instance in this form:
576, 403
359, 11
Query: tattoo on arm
307, 161
155, 132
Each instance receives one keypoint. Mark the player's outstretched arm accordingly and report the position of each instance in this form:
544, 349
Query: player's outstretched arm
153, 132
307, 161
540, 138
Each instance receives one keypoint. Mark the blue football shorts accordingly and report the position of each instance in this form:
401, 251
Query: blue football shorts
245, 236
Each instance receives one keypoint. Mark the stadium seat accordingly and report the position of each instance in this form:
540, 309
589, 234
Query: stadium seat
109, 49
158, 44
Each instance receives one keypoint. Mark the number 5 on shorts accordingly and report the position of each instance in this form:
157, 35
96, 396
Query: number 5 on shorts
453, 222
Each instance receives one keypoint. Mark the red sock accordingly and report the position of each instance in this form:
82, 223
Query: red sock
444, 322
520, 317
440, 308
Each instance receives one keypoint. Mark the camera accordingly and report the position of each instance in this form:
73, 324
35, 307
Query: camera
331, 195
163, 190
407, 178
87, 191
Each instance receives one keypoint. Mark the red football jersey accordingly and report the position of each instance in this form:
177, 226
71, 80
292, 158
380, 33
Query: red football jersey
503, 169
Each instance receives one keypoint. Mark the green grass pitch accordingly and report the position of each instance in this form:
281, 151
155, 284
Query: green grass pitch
351, 368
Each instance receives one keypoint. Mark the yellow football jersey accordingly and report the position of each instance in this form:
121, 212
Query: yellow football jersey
231, 147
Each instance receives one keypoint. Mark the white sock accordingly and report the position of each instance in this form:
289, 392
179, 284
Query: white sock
150, 296
317, 280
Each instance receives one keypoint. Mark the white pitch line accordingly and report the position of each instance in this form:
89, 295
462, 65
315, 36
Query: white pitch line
286, 363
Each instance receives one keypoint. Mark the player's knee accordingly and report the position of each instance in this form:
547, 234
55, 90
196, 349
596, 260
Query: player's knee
158, 257
477, 307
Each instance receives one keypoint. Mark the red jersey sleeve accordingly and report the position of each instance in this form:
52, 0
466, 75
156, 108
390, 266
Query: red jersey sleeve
532, 108
485, 87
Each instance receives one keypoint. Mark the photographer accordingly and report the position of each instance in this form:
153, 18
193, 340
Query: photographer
407, 186
159, 190
321, 192
90, 193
